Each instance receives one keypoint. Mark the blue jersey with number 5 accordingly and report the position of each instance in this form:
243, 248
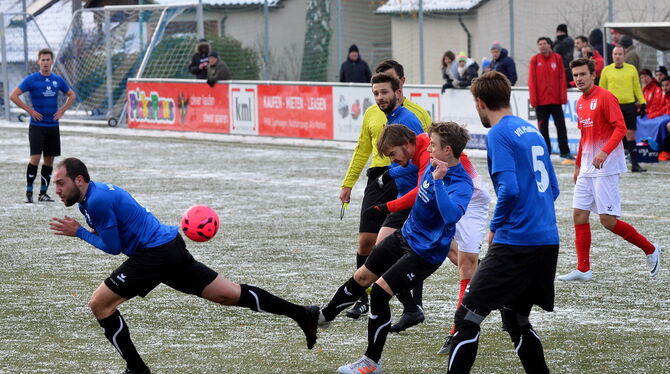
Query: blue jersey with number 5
529, 218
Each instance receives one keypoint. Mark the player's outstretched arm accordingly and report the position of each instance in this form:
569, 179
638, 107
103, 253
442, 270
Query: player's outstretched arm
107, 240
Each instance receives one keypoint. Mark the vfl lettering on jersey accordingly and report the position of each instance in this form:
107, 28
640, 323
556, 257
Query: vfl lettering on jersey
594, 104
521, 130
153, 109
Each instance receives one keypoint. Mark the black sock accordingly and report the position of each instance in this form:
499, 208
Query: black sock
465, 342
632, 151
116, 331
407, 301
417, 294
31, 174
666, 144
344, 297
259, 300
46, 178
527, 343
360, 261
379, 322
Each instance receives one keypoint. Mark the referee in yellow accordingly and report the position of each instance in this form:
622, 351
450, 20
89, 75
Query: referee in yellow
623, 81
373, 123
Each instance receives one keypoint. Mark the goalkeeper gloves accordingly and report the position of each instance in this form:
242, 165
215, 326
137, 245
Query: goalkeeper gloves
376, 212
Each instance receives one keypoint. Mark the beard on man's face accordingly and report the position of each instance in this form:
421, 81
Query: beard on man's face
390, 107
72, 198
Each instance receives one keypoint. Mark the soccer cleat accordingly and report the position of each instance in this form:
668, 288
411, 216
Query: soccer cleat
362, 366
44, 197
322, 322
408, 320
130, 371
29, 197
576, 275
310, 324
636, 168
446, 347
664, 156
359, 309
567, 156
654, 261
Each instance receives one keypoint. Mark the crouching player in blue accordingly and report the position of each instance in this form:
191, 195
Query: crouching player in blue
519, 268
156, 254
409, 256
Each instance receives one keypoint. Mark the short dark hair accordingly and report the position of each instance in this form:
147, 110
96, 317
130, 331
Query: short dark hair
386, 78
546, 39
583, 38
75, 167
391, 64
394, 136
451, 134
493, 88
584, 61
666, 79
45, 51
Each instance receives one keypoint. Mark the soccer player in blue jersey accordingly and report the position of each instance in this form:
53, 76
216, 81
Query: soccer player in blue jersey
519, 268
409, 256
43, 132
156, 254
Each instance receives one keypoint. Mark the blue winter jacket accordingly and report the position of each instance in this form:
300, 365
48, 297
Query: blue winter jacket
505, 65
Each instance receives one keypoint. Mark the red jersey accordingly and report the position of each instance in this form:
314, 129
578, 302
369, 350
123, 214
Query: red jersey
653, 95
602, 126
546, 80
666, 103
600, 62
421, 159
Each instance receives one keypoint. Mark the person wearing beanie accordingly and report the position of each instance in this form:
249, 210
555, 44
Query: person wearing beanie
199, 60
486, 65
466, 71
629, 52
653, 95
355, 69
661, 73
502, 62
217, 70
565, 46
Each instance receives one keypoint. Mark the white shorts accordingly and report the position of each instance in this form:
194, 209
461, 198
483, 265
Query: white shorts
599, 195
470, 230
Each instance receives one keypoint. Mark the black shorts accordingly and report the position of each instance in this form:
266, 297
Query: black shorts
170, 263
374, 195
629, 112
516, 277
44, 140
394, 260
395, 220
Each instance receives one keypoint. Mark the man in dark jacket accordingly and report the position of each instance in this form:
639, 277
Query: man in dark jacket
502, 62
564, 46
596, 40
199, 61
217, 70
355, 70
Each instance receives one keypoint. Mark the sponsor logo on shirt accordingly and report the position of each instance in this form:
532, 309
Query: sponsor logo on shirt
585, 122
49, 92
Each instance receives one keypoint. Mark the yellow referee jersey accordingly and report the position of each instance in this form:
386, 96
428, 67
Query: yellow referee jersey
373, 123
623, 82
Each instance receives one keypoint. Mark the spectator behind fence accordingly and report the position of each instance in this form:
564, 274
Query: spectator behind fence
596, 40
466, 71
653, 95
661, 73
217, 70
591, 53
502, 62
447, 64
580, 42
623, 81
630, 52
665, 147
486, 65
355, 69
564, 46
548, 92
199, 60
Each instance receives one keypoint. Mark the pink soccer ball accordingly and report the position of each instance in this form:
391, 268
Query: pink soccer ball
200, 223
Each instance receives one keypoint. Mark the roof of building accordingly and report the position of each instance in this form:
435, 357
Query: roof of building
222, 3
429, 6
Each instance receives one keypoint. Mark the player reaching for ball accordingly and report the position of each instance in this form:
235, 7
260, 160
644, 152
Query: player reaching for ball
156, 254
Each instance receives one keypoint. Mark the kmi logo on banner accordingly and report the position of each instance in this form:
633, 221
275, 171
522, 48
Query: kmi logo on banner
243, 109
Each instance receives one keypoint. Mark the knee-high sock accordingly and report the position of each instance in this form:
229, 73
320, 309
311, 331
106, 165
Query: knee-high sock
379, 322
344, 297
116, 331
417, 294
583, 246
407, 301
46, 178
632, 150
527, 343
31, 174
461, 292
259, 300
360, 261
466, 341
631, 235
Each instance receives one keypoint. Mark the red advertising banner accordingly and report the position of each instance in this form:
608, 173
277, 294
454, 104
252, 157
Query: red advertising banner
178, 106
295, 111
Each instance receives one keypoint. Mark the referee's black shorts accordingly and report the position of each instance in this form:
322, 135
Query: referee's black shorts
374, 195
44, 140
170, 263
516, 277
629, 112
